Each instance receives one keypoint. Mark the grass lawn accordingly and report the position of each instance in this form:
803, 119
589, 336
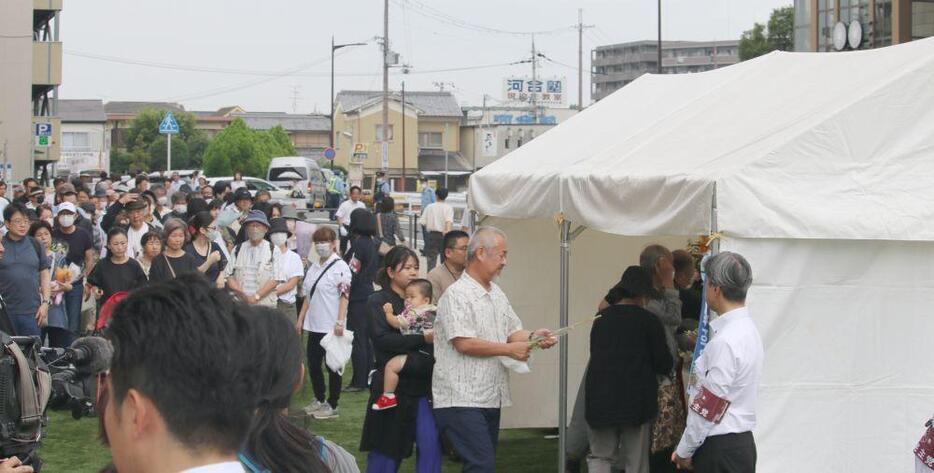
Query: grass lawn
72, 446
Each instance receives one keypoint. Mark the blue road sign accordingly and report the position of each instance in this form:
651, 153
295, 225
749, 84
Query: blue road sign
168, 126
329, 153
43, 129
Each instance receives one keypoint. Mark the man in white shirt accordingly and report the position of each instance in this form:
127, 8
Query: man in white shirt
343, 215
475, 330
718, 436
175, 396
438, 219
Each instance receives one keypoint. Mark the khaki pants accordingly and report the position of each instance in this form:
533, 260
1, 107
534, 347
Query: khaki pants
622, 446
289, 311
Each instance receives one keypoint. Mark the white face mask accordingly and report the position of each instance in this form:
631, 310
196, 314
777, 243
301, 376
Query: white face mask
163, 201
323, 249
180, 208
279, 238
255, 235
66, 220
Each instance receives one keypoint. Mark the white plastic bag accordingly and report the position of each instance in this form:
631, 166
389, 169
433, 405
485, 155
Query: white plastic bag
337, 350
520, 367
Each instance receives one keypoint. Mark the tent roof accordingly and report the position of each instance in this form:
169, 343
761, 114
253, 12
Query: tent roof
793, 145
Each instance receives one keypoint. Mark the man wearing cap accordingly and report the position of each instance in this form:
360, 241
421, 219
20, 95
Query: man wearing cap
67, 193
36, 198
718, 436
81, 254
137, 210
254, 270
289, 268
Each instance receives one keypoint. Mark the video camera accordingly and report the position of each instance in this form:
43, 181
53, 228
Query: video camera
73, 370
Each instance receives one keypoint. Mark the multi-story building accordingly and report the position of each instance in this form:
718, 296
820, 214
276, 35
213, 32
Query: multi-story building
489, 133
85, 141
616, 65
860, 24
430, 132
30, 74
309, 134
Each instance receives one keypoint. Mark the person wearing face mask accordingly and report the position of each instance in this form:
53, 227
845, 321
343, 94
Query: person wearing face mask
207, 254
135, 209
324, 310
253, 279
179, 207
81, 254
289, 269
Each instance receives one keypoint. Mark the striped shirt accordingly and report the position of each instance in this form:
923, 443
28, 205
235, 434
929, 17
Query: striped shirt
468, 310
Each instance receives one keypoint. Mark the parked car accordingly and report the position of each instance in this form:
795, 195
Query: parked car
254, 184
299, 173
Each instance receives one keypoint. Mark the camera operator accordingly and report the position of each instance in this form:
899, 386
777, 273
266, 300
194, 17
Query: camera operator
181, 389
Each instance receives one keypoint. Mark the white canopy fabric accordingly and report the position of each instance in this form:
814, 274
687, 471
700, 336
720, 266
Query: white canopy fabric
797, 145
821, 168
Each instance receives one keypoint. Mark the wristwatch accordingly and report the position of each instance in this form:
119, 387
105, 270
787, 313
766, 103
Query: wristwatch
339, 323
45, 302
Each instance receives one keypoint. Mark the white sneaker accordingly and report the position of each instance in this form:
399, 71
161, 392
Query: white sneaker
325, 412
315, 406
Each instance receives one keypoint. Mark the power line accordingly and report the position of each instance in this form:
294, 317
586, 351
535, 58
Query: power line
438, 15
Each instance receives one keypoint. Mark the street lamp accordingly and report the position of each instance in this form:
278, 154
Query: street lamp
335, 47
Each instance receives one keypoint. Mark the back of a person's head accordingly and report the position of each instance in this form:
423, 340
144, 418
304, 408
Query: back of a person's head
180, 344
274, 443
362, 222
441, 193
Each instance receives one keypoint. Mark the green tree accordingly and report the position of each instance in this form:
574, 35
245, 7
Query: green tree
240, 148
146, 147
778, 36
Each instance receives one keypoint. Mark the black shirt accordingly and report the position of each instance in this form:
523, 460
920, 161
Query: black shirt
627, 350
162, 271
78, 241
215, 268
112, 278
363, 259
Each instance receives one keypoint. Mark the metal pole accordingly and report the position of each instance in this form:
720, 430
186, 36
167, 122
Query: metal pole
445, 169
402, 188
532, 95
580, 59
385, 140
168, 166
331, 135
565, 271
659, 36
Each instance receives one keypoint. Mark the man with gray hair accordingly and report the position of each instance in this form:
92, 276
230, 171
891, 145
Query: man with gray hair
475, 331
718, 437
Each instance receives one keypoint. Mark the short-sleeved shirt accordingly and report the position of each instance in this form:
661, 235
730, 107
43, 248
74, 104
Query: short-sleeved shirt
216, 268
441, 279
347, 208
468, 310
436, 215
19, 274
78, 242
288, 266
325, 302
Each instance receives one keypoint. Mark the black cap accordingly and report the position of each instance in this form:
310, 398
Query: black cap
242, 194
278, 225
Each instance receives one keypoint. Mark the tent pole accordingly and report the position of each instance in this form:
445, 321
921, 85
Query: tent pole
563, 346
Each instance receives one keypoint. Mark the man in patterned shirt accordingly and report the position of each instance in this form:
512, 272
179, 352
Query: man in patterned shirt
475, 330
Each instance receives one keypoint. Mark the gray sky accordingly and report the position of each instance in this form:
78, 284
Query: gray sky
257, 51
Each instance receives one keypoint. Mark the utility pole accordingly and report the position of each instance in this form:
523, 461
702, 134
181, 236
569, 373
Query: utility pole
580, 57
532, 95
402, 187
384, 148
659, 36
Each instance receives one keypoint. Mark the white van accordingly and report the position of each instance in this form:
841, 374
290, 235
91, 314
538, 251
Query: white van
304, 173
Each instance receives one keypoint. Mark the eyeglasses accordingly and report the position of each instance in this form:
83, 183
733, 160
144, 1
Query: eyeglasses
459, 248
20, 221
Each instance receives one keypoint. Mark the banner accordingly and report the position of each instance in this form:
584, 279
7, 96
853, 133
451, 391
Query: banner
488, 144
703, 326
542, 92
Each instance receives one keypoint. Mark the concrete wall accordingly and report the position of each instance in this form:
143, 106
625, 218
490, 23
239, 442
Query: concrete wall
95, 156
16, 84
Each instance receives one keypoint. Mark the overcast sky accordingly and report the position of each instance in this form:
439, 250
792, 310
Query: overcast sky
259, 53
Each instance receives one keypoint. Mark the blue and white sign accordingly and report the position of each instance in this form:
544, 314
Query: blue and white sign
43, 129
168, 126
329, 153
544, 92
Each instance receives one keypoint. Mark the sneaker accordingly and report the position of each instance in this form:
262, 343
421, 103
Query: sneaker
385, 402
326, 412
313, 407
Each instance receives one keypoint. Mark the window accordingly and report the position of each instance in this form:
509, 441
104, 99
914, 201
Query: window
430, 139
255, 184
379, 133
75, 140
506, 144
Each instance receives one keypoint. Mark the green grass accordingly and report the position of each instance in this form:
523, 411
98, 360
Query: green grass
72, 446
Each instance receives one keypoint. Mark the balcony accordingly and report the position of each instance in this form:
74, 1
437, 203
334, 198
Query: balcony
46, 63
53, 152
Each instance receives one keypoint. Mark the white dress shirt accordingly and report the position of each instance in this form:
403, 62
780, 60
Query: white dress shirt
468, 310
347, 208
730, 368
325, 302
436, 215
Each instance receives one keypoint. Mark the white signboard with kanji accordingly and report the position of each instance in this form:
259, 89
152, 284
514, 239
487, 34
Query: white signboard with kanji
542, 92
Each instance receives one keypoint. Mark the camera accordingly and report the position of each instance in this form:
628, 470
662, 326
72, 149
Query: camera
74, 370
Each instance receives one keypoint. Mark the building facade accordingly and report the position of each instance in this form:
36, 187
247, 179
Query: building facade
309, 134
431, 124
616, 65
85, 139
489, 133
860, 24
30, 74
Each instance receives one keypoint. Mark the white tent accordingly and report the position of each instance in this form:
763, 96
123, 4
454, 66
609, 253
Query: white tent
819, 168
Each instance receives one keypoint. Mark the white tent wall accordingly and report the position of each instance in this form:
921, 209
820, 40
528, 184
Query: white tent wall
531, 281
847, 379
